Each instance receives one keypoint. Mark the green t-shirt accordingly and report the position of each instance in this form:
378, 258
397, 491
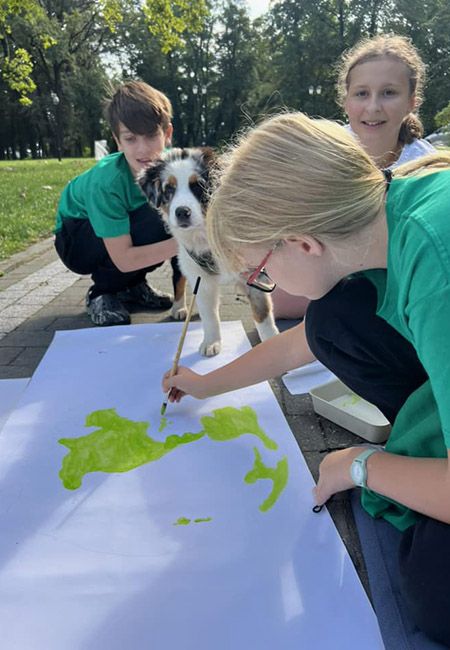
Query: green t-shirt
414, 297
105, 195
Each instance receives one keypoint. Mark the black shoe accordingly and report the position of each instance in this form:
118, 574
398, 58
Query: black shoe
144, 295
106, 309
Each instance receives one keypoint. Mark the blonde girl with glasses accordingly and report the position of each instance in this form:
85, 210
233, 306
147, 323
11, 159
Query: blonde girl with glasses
380, 84
303, 195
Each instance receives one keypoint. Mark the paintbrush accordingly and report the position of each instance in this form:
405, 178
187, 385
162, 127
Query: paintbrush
180, 344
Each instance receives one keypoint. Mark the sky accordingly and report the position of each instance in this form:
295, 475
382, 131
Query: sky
257, 7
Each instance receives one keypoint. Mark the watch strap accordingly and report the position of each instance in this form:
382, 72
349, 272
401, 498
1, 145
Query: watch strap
361, 460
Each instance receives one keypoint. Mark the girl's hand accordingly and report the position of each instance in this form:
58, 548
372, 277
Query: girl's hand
184, 382
334, 473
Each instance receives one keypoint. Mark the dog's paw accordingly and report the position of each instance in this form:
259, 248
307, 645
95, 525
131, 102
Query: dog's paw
178, 313
210, 349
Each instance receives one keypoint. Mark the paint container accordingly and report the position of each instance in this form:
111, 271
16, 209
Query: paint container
339, 404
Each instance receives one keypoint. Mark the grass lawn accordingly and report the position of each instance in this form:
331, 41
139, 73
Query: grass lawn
29, 196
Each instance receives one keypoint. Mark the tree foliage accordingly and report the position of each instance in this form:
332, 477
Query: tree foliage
168, 19
443, 117
220, 69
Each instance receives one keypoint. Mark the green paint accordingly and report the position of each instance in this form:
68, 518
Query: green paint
354, 399
229, 423
182, 521
119, 445
163, 424
278, 474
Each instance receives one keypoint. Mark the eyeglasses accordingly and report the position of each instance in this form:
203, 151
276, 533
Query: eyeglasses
259, 279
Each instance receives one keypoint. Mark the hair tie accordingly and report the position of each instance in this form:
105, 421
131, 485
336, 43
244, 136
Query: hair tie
388, 175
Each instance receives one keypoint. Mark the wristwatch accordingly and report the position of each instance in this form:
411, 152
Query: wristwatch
358, 470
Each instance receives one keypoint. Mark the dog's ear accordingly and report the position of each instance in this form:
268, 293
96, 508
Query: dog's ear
211, 167
150, 183
209, 157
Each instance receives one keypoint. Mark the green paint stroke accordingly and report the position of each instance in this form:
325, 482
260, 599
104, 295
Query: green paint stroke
118, 445
279, 476
182, 521
354, 399
163, 424
229, 423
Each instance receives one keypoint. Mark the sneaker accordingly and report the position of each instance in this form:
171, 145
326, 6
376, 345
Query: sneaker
144, 295
106, 309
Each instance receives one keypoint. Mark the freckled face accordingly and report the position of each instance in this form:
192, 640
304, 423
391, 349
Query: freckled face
378, 99
141, 150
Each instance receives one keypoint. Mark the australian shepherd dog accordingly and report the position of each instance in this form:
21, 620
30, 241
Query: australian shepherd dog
177, 185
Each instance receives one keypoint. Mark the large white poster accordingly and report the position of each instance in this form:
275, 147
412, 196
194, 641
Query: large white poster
124, 530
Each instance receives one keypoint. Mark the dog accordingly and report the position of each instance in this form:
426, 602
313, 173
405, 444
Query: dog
177, 185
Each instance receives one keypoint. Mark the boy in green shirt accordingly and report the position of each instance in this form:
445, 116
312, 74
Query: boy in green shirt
104, 225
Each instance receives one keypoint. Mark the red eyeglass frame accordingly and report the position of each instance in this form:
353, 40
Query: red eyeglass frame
260, 267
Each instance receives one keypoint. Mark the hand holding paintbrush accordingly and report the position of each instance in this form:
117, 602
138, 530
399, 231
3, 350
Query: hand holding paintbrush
180, 344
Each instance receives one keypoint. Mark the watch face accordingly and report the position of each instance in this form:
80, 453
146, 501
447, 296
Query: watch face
357, 473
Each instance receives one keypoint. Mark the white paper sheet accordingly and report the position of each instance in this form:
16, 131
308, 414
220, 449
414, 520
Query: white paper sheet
10, 392
301, 380
103, 567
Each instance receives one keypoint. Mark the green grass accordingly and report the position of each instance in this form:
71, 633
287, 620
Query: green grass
29, 197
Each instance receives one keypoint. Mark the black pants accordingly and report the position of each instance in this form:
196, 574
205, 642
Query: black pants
83, 252
380, 365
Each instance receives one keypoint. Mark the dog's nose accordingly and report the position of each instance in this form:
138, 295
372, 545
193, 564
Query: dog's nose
183, 216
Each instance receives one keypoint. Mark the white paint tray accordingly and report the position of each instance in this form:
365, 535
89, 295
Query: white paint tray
339, 404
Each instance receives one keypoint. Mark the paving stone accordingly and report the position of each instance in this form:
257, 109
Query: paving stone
18, 311
67, 298
11, 294
40, 249
9, 324
15, 372
58, 311
337, 437
76, 322
25, 338
30, 357
308, 435
8, 354
37, 323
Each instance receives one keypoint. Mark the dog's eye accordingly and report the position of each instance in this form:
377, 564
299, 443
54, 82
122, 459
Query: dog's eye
198, 190
169, 191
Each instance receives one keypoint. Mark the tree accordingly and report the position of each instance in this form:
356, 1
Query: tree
235, 69
426, 23
76, 34
443, 117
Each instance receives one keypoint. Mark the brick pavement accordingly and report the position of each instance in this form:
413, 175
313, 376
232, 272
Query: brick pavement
39, 296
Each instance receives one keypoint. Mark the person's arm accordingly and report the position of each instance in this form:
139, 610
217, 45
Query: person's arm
269, 359
131, 258
422, 484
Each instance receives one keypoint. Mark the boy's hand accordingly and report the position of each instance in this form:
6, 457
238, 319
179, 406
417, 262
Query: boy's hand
334, 473
184, 382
